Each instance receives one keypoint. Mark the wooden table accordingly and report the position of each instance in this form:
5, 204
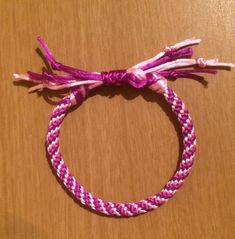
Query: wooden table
122, 148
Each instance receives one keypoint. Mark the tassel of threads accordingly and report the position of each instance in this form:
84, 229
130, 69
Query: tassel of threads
166, 64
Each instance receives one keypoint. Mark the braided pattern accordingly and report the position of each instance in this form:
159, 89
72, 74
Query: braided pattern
122, 209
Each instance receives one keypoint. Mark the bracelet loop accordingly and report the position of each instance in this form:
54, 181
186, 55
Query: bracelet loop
114, 208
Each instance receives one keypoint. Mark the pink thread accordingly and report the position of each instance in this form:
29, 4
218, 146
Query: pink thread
153, 74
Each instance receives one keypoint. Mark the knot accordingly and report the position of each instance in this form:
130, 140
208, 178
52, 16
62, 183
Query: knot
135, 77
114, 77
201, 62
169, 49
138, 78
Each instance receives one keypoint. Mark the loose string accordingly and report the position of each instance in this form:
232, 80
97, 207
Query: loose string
168, 63
153, 74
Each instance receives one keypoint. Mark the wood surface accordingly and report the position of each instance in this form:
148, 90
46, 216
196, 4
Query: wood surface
121, 144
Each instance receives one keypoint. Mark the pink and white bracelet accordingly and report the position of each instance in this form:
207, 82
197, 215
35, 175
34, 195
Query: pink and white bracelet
153, 74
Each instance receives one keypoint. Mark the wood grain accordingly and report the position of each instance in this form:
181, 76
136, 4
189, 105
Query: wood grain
123, 147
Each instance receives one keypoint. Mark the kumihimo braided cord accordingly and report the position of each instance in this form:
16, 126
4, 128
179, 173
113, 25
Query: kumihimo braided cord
153, 74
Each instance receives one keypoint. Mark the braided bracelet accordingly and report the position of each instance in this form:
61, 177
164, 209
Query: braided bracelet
153, 74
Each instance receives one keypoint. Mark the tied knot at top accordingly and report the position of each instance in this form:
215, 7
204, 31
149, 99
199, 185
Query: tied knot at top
135, 77
152, 72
